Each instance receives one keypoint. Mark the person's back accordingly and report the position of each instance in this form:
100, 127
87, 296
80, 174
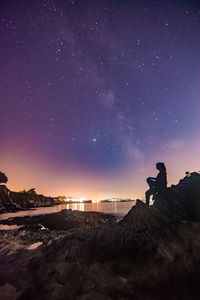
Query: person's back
161, 179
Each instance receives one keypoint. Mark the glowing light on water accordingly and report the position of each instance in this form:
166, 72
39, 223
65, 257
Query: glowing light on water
82, 199
35, 246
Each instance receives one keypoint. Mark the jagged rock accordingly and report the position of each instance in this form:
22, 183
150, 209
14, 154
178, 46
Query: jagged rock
153, 253
181, 202
142, 217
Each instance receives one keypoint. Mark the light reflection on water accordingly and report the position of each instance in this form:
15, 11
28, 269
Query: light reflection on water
9, 227
114, 208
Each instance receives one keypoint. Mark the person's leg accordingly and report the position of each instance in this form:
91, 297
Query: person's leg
151, 183
148, 194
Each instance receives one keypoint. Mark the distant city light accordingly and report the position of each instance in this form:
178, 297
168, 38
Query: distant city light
70, 199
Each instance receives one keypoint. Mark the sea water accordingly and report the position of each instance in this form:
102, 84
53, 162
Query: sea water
118, 209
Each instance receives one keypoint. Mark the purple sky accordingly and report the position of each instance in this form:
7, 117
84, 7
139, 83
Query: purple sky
93, 93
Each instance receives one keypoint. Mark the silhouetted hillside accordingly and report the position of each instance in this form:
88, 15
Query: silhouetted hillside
13, 201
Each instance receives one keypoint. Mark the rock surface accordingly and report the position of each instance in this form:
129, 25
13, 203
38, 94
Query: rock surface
64, 220
153, 253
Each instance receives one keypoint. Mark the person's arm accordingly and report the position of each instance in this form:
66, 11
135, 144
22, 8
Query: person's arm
152, 178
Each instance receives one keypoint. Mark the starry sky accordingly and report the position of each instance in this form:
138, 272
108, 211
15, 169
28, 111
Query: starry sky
94, 93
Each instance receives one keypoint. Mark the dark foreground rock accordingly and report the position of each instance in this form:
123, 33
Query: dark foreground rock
153, 253
64, 220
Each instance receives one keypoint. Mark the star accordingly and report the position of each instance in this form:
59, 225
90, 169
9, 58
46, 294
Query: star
98, 87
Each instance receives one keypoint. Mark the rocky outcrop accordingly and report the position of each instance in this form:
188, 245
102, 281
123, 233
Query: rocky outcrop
181, 201
6, 201
12, 201
64, 220
153, 253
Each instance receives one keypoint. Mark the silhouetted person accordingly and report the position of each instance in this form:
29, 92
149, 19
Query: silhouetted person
157, 183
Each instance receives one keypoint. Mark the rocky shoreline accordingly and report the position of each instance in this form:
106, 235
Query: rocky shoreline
152, 253
64, 220
15, 201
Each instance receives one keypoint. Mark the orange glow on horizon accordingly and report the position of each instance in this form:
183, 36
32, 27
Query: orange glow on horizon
28, 172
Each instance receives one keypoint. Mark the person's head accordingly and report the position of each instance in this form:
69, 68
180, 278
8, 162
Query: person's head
160, 166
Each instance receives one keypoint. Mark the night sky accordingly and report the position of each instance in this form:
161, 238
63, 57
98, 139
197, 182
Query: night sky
94, 93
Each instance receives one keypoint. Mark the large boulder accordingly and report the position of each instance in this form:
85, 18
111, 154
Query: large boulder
181, 201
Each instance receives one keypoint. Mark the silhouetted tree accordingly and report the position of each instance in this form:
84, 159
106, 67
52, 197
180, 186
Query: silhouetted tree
23, 191
3, 178
31, 191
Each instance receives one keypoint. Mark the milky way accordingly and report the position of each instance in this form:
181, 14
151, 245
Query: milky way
93, 93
